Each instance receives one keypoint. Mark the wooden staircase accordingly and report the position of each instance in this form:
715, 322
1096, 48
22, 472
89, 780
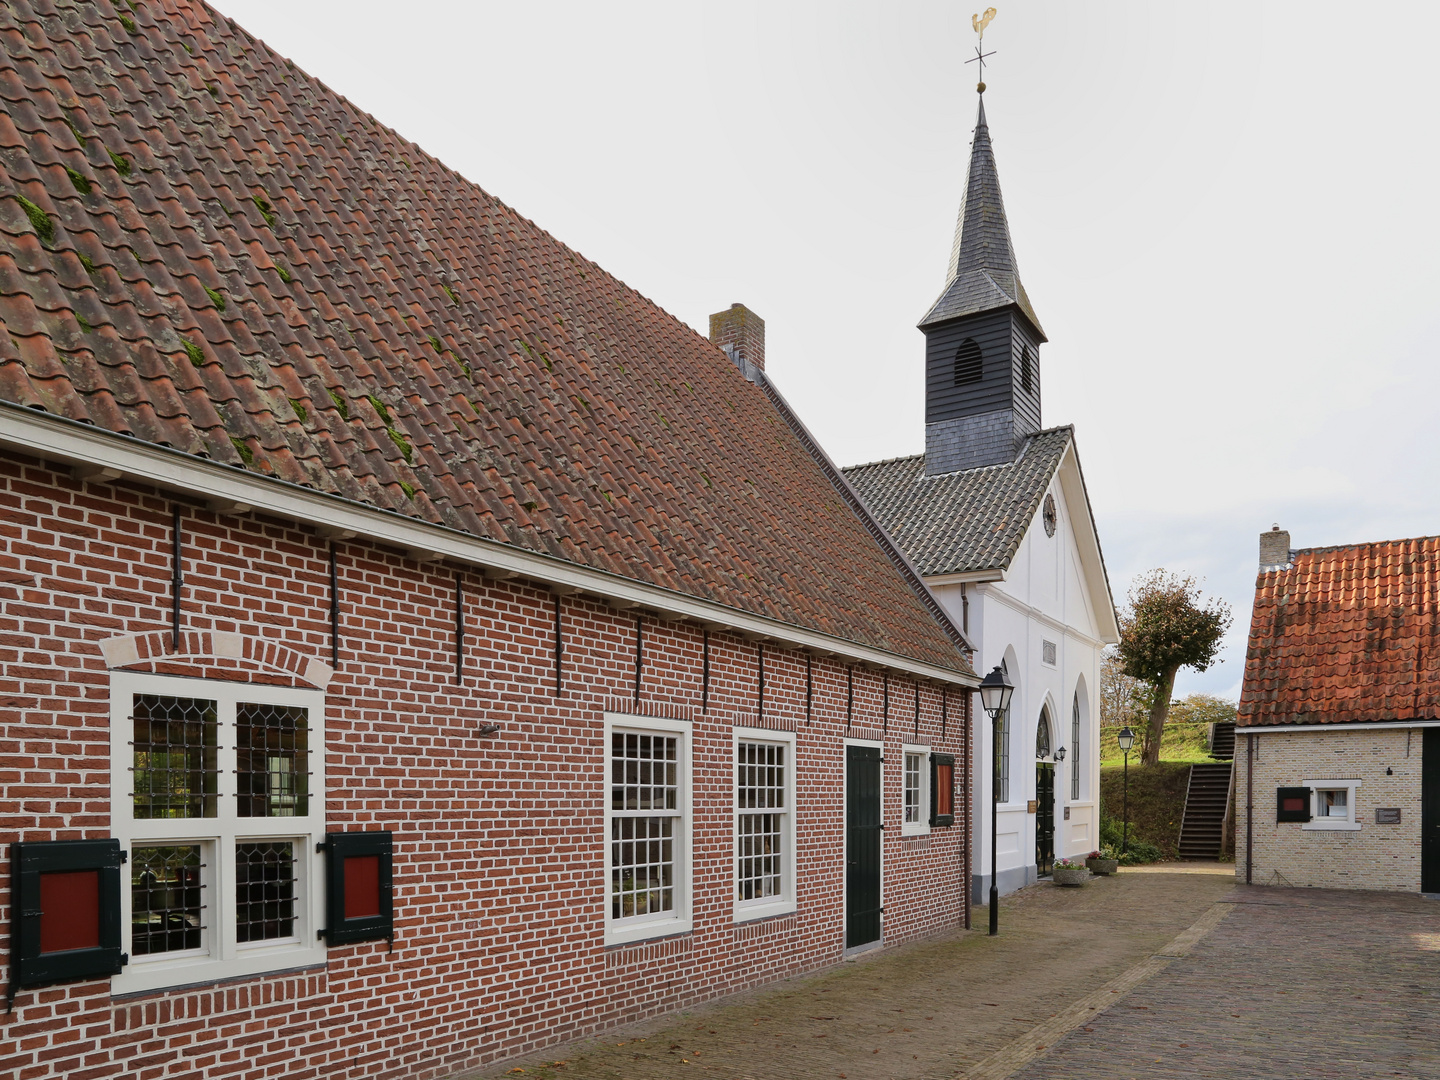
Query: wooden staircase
1207, 810
1222, 741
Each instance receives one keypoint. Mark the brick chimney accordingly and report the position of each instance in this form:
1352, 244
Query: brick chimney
741, 333
1274, 549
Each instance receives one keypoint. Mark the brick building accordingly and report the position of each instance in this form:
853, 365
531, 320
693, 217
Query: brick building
1339, 783
415, 646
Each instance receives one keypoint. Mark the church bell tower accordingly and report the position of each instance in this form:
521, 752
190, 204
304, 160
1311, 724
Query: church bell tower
982, 337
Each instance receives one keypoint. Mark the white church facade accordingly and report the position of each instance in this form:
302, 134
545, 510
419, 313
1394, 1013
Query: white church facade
996, 517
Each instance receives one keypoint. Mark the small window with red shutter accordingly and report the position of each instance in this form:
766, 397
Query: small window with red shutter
66, 911
1292, 804
359, 878
942, 790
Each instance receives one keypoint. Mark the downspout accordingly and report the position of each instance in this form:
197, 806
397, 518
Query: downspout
1249, 806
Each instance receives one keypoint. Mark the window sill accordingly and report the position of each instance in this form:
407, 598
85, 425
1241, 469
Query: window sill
749, 913
144, 976
626, 934
1331, 826
914, 830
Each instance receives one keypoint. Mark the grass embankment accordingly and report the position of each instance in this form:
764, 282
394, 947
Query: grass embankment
1181, 742
1157, 800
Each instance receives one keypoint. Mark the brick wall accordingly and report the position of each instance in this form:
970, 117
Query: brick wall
1375, 856
500, 881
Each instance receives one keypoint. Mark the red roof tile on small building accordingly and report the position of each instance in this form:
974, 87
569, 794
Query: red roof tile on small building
205, 248
1346, 634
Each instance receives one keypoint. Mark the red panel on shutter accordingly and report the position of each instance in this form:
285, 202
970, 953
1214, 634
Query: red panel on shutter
944, 790
362, 886
70, 910
1293, 804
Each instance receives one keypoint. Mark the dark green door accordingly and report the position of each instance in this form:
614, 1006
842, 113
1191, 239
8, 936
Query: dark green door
1430, 813
862, 845
1044, 818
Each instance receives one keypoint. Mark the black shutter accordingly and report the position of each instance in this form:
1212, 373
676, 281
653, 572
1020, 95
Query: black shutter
942, 790
1292, 804
359, 880
65, 911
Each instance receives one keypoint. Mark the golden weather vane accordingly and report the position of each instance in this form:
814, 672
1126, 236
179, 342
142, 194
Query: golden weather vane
980, 22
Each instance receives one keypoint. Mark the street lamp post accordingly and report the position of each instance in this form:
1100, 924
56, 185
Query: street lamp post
1127, 740
995, 691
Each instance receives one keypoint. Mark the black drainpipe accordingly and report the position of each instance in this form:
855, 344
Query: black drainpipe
1249, 805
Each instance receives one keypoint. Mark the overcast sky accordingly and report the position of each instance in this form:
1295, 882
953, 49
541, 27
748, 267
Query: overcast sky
1226, 216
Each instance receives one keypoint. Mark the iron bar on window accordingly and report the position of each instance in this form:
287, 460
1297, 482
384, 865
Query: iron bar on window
705, 674
334, 611
177, 579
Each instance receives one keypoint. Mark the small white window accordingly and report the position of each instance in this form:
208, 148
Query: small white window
916, 820
647, 825
764, 823
1332, 805
218, 799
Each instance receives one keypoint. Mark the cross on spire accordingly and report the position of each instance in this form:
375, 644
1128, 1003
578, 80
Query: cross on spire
979, 23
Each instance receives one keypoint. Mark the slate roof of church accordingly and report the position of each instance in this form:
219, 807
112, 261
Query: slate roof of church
1346, 634
963, 521
205, 248
983, 274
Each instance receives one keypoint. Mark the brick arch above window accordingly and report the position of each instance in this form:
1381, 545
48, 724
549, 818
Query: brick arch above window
128, 650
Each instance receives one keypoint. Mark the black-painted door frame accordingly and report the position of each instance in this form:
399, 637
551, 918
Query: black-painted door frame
1430, 811
864, 827
1044, 817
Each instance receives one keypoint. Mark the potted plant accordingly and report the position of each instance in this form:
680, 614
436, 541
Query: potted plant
1102, 862
1069, 872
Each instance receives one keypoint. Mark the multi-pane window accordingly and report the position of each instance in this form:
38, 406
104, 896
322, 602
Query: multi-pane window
915, 813
760, 770
764, 815
648, 831
1076, 758
1002, 787
214, 784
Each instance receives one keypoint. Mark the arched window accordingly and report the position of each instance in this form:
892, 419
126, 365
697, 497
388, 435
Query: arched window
969, 364
1002, 787
1042, 736
1075, 749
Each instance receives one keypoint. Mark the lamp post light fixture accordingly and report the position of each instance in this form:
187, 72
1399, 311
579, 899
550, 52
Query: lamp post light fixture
1127, 740
995, 691
1059, 753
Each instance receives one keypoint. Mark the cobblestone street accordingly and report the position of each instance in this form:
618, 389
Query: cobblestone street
928, 1009
1295, 983
1162, 972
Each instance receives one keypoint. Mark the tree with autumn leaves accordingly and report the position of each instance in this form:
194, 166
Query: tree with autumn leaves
1168, 625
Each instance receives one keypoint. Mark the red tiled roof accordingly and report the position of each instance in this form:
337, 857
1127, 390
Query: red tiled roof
1346, 634
221, 255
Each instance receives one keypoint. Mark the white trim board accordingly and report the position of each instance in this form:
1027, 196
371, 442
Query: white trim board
105, 454
1356, 725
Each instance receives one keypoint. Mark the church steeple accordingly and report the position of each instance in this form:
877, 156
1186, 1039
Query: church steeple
982, 275
982, 385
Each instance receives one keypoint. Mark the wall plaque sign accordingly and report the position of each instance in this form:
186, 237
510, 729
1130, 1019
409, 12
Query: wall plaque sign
1032, 806
1389, 815
1067, 813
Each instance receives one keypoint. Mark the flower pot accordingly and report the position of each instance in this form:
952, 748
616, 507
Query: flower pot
1063, 875
1102, 866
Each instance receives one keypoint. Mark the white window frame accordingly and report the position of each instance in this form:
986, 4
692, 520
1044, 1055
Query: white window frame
922, 827
785, 903
1349, 823
678, 921
221, 956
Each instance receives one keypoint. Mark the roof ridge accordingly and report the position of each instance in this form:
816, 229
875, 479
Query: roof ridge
884, 461
1365, 543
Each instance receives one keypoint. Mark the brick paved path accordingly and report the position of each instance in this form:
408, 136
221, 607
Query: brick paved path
928, 1009
1295, 983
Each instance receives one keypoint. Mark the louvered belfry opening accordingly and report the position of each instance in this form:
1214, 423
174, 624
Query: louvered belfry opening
969, 363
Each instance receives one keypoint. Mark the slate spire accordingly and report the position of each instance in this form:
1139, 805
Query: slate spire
982, 275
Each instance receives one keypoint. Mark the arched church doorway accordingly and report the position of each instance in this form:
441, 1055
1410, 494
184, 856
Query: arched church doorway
1044, 796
